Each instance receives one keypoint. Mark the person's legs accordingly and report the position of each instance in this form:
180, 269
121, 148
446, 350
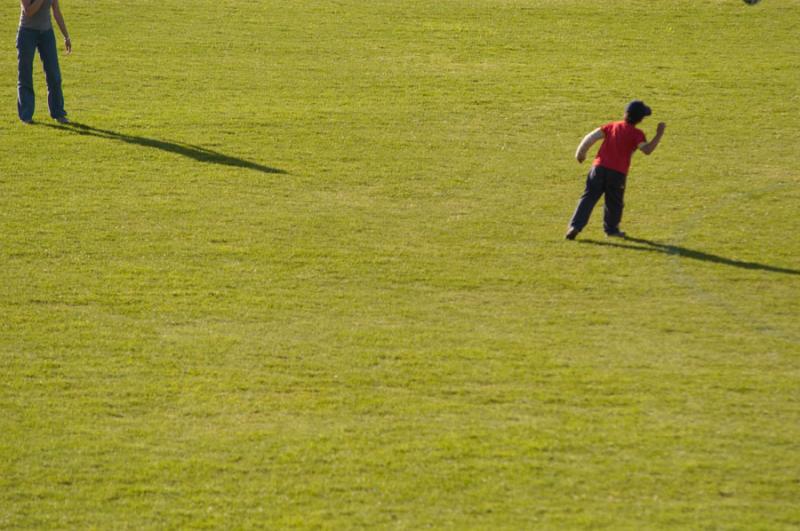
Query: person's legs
48, 51
592, 193
615, 195
26, 49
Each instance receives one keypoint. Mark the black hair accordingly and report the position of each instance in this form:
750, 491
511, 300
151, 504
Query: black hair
633, 118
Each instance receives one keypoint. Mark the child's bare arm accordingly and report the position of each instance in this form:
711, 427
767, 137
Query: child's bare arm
587, 142
649, 147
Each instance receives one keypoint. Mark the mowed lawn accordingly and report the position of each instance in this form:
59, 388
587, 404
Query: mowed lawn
301, 264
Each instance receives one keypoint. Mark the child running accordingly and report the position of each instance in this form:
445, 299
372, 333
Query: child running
610, 167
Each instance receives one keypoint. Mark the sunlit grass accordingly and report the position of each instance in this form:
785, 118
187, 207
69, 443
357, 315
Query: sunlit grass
301, 264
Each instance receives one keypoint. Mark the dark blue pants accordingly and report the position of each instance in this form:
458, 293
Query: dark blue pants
28, 41
601, 181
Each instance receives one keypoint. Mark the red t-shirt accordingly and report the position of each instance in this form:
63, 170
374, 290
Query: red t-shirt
621, 140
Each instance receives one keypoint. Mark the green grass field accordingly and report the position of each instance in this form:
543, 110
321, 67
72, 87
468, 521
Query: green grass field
301, 264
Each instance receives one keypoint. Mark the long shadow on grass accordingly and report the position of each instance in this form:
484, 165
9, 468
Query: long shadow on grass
640, 244
197, 153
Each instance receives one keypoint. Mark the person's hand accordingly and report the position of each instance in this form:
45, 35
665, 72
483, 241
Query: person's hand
68, 45
580, 158
660, 128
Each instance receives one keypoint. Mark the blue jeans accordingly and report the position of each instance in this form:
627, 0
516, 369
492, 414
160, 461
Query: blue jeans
601, 181
28, 41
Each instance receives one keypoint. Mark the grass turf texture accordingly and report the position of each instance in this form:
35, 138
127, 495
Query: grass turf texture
301, 264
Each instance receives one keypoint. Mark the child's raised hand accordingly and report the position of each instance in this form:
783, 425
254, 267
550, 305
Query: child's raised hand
660, 128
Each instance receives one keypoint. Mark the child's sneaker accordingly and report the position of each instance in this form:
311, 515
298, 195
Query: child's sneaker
571, 233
